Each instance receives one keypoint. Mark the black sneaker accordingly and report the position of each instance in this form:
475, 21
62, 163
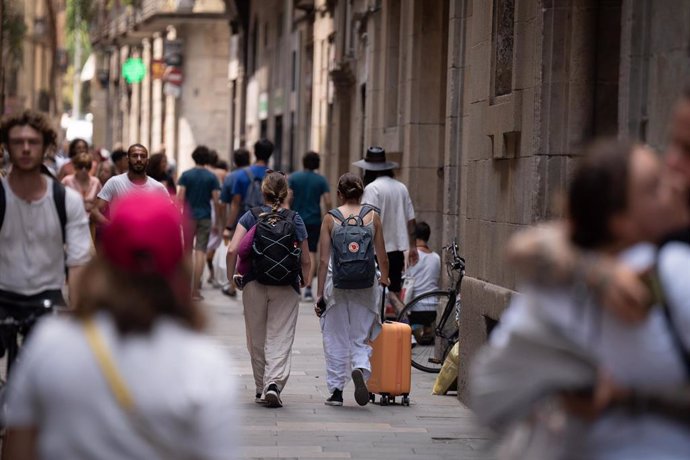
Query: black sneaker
273, 396
361, 390
336, 398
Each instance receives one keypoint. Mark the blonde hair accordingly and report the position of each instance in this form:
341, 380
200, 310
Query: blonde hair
274, 187
82, 158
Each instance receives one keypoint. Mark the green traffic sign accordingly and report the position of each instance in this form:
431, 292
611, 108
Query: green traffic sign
134, 70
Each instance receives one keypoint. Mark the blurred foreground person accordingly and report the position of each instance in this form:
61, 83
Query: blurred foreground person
132, 375
571, 372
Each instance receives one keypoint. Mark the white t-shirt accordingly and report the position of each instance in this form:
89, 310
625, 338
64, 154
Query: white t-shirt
32, 258
426, 274
180, 380
639, 356
120, 185
393, 199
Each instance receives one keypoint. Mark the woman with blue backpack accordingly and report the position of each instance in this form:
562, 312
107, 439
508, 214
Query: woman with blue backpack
348, 296
271, 288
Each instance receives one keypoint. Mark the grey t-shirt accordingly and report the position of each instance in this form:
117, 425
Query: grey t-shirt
120, 185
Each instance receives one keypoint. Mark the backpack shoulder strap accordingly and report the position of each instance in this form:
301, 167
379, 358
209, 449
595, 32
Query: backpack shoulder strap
256, 212
337, 214
366, 209
248, 171
2, 204
59, 193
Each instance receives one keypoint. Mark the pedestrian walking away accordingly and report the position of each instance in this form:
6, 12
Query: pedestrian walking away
199, 188
43, 225
271, 288
347, 293
131, 375
246, 187
135, 179
308, 190
393, 200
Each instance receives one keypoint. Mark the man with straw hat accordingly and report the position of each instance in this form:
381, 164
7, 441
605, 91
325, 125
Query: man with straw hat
397, 213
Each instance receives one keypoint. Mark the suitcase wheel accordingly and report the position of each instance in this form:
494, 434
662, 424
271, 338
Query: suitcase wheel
372, 397
405, 401
385, 400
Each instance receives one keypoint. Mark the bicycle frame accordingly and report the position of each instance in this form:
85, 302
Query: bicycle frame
453, 266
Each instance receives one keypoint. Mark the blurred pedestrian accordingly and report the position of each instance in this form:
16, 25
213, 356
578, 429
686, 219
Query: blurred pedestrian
613, 206
200, 189
270, 310
75, 146
85, 184
132, 375
246, 187
393, 200
217, 219
105, 171
44, 231
350, 316
119, 159
135, 179
158, 169
308, 190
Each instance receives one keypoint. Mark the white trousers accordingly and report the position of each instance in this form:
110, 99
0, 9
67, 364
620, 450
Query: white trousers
270, 317
345, 327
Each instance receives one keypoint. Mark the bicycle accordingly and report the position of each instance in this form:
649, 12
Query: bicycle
17, 317
434, 339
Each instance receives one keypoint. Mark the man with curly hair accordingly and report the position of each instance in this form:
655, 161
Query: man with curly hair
43, 226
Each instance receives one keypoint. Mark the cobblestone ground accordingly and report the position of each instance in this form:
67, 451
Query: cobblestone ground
433, 427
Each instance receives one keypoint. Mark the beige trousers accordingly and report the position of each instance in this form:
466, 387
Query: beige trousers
270, 317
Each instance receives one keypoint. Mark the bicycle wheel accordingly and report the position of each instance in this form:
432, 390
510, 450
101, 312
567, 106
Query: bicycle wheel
421, 314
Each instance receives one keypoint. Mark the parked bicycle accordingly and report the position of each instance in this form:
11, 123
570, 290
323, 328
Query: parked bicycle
434, 335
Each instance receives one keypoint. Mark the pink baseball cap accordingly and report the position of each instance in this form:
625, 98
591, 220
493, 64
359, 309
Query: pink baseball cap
144, 234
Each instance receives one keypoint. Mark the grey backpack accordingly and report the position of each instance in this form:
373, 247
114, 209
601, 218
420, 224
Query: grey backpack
254, 197
352, 250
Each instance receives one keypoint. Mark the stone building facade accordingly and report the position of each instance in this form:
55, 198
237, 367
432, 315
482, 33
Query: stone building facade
32, 74
194, 38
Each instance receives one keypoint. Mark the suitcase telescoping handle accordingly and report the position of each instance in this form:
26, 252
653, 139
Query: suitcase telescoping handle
383, 304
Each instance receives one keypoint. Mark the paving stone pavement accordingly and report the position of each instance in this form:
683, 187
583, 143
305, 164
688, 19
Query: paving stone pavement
433, 427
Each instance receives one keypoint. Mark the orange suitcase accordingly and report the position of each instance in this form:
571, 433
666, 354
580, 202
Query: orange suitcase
391, 364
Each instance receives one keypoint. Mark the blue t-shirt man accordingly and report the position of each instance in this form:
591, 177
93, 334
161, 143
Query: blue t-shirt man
307, 188
199, 184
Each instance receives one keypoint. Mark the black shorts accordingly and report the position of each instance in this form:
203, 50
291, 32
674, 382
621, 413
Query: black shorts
313, 233
396, 265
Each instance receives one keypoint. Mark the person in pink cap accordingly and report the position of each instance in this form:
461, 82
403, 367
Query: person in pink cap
131, 375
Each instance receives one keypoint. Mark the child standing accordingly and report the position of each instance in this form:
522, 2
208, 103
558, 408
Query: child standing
347, 306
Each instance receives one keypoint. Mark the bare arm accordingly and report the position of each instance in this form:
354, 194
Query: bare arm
217, 205
324, 255
181, 192
231, 258
380, 248
20, 444
73, 279
96, 211
544, 255
234, 211
305, 261
327, 201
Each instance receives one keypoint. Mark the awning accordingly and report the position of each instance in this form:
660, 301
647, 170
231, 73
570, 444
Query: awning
89, 69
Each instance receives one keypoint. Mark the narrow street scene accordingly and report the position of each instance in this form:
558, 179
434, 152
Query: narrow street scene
366, 229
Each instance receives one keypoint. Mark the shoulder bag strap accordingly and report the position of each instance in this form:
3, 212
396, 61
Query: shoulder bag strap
105, 362
675, 335
248, 171
121, 392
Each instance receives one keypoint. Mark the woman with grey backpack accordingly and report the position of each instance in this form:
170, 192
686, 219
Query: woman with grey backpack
347, 296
